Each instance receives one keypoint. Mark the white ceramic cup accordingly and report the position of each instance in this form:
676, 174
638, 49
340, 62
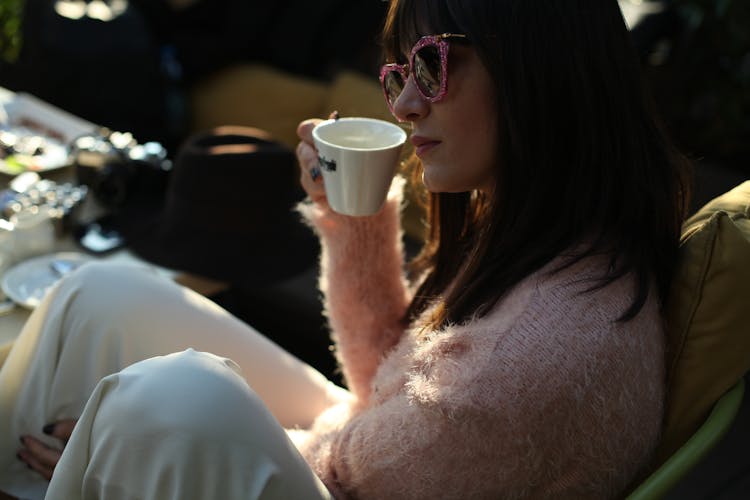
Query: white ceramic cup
358, 158
34, 232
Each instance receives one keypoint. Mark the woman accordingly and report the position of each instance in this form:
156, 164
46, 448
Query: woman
525, 360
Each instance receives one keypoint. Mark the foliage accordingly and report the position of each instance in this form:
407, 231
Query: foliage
10, 29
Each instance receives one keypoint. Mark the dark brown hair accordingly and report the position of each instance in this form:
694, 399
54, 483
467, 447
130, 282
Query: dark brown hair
583, 159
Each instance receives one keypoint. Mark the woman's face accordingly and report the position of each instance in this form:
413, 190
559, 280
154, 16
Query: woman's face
456, 137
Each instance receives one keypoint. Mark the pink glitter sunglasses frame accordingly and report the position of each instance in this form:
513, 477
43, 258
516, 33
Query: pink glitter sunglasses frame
439, 41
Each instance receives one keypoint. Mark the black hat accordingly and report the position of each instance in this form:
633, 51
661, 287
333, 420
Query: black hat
227, 212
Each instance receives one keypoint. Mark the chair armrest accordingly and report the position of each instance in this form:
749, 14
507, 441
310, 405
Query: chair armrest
695, 449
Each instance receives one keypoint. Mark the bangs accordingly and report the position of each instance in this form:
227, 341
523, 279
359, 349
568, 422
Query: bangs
409, 20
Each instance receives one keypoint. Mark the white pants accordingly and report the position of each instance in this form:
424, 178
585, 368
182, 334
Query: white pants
126, 350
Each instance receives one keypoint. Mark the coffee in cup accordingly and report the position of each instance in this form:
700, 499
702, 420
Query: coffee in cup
358, 158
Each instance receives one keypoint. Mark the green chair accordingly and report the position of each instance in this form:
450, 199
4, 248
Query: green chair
676, 468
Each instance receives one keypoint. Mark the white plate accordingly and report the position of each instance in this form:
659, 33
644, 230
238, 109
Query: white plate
29, 281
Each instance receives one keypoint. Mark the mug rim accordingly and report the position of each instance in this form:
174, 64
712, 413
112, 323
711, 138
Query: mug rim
326, 123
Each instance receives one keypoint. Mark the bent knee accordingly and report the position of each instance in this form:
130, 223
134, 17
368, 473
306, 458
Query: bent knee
201, 416
195, 393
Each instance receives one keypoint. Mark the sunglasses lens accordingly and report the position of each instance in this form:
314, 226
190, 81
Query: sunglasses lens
393, 83
427, 70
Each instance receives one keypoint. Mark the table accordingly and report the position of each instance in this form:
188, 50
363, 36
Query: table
12, 323
24, 108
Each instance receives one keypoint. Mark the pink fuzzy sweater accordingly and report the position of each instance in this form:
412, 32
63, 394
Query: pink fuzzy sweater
544, 397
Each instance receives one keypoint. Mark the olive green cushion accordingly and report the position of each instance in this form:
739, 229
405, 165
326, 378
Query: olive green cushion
259, 96
708, 314
356, 94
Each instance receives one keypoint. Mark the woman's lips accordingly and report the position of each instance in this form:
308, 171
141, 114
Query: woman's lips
423, 144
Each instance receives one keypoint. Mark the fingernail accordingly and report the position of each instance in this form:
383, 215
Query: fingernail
48, 429
335, 115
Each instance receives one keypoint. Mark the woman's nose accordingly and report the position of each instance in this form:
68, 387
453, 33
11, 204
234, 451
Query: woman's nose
410, 105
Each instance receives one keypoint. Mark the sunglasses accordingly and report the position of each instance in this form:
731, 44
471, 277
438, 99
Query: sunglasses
428, 62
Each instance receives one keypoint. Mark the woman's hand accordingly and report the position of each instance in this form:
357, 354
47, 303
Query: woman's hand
307, 156
39, 456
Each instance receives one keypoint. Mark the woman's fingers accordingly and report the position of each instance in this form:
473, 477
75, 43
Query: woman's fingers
310, 176
307, 156
304, 129
39, 456
62, 429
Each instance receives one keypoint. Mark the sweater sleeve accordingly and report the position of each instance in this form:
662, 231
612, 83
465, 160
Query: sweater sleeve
562, 403
363, 285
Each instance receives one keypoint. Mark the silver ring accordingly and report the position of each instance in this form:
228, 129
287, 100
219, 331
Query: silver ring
315, 173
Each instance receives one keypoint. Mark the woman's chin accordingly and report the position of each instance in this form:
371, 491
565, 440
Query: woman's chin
430, 183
